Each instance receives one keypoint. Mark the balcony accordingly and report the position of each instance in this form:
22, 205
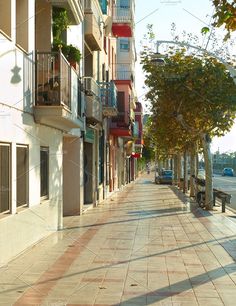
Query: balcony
74, 8
93, 25
121, 125
57, 92
93, 109
109, 99
124, 75
123, 21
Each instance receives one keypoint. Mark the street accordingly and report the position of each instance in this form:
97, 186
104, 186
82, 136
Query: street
227, 184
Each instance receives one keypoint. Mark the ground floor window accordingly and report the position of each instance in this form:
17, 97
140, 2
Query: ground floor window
5, 186
44, 172
22, 170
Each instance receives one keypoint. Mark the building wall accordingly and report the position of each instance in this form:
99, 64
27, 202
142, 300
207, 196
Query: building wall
24, 226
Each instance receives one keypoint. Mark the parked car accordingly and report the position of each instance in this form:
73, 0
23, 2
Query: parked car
164, 177
228, 172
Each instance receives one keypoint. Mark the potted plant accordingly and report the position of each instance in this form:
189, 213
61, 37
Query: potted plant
60, 24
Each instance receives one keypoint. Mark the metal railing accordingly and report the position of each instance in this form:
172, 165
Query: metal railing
122, 119
124, 72
122, 14
108, 94
53, 79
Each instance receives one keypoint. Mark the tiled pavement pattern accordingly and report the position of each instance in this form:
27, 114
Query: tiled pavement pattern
146, 245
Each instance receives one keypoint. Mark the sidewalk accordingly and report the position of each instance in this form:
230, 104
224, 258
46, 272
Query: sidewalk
146, 245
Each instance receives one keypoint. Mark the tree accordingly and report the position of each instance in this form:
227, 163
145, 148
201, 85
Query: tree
225, 14
193, 99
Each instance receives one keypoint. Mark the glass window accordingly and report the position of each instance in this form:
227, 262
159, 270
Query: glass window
44, 172
124, 45
22, 169
124, 4
5, 177
79, 104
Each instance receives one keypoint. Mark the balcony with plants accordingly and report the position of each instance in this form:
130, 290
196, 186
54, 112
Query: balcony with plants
74, 7
57, 82
60, 25
58, 92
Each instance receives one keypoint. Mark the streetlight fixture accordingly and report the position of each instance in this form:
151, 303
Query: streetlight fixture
230, 68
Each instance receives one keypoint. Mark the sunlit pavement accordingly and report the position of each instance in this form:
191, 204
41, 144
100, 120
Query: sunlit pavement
143, 246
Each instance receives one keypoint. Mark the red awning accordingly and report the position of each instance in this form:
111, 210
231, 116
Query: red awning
121, 30
120, 132
136, 155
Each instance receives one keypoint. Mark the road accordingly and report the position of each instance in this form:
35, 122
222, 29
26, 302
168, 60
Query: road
227, 184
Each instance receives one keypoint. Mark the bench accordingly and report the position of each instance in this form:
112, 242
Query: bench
223, 196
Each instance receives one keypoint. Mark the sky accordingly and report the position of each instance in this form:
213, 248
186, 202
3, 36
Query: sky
189, 16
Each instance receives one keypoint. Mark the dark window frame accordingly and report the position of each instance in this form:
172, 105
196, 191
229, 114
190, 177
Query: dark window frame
9, 186
25, 175
44, 173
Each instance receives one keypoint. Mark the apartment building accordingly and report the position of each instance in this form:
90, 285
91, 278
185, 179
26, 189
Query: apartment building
67, 112
41, 120
121, 131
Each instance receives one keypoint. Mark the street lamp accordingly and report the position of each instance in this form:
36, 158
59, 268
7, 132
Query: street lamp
231, 69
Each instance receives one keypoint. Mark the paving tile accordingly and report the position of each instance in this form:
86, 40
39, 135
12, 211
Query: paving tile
145, 247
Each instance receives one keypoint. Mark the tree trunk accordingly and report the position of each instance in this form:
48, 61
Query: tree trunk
192, 170
185, 185
208, 170
179, 169
175, 182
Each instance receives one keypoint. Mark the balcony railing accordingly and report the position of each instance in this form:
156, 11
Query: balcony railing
121, 120
109, 98
58, 98
108, 94
53, 79
123, 74
122, 14
93, 108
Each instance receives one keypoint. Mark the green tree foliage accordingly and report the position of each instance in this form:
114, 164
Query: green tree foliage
193, 99
225, 14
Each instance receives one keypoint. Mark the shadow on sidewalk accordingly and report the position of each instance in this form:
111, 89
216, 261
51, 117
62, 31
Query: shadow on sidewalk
159, 294
155, 296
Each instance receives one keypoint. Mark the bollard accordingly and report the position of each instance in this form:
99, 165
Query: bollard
223, 204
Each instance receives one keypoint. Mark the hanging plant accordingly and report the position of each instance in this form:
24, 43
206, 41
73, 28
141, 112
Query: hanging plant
60, 25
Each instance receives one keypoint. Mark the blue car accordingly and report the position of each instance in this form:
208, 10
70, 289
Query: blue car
165, 177
228, 172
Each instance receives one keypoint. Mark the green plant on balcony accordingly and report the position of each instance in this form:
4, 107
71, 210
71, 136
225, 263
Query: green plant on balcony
60, 25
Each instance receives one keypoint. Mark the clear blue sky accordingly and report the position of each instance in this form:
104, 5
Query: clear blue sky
189, 16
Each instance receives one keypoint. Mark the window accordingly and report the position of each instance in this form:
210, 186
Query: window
124, 4
5, 177
22, 169
5, 17
44, 172
79, 102
124, 45
22, 23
